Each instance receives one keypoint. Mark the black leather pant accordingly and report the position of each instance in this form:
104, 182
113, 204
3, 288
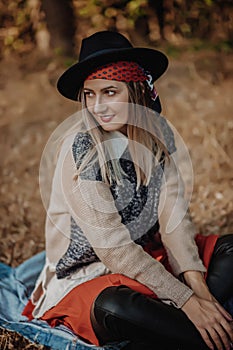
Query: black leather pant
119, 313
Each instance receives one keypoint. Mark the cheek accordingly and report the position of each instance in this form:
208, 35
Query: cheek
88, 104
123, 110
90, 107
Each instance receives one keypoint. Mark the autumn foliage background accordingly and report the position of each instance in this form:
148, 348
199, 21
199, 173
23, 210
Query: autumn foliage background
41, 38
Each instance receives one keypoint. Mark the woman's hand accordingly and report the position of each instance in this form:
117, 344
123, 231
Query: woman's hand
195, 280
209, 317
211, 320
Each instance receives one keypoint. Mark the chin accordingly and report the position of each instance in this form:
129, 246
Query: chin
115, 127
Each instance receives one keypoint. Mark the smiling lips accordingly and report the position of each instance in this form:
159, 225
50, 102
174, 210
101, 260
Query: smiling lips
106, 118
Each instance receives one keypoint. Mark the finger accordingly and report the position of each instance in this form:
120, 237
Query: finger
223, 311
228, 327
223, 336
215, 338
206, 338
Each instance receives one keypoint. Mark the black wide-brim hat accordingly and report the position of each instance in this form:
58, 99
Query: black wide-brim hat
106, 47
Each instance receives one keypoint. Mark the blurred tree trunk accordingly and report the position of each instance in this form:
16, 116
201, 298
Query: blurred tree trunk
158, 7
61, 24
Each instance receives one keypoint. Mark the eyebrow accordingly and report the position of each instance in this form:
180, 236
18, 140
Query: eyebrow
105, 88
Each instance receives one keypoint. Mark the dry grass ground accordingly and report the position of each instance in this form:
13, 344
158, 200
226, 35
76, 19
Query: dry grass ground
197, 98
14, 341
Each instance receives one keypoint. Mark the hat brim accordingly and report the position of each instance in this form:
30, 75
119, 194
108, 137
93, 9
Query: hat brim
70, 82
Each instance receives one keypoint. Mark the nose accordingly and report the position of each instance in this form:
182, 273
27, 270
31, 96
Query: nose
99, 106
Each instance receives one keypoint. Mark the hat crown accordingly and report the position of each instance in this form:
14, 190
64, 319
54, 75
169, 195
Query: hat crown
102, 41
106, 47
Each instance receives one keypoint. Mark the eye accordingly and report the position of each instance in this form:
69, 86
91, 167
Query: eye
110, 92
88, 94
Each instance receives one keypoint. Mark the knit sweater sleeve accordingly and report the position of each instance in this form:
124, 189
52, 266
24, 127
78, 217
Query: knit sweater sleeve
176, 228
92, 206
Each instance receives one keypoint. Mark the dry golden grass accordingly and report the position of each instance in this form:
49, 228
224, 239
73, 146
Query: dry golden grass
196, 99
13, 341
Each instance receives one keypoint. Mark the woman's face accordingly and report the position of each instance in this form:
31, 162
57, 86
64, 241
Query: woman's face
107, 101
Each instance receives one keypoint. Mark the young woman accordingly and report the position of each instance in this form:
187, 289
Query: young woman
123, 258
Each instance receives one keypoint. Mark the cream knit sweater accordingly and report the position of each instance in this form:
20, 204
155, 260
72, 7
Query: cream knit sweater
92, 206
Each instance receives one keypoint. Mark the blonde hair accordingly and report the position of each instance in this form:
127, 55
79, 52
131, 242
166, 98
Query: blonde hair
143, 134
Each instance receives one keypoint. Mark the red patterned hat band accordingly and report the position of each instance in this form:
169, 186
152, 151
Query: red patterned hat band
120, 71
124, 71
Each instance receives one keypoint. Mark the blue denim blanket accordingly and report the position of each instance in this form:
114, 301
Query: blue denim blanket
16, 285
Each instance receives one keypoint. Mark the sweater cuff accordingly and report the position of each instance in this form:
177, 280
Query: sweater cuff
189, 266
180, 293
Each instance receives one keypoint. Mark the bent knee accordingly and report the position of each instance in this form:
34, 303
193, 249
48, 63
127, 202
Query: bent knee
113, 299
224, 245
